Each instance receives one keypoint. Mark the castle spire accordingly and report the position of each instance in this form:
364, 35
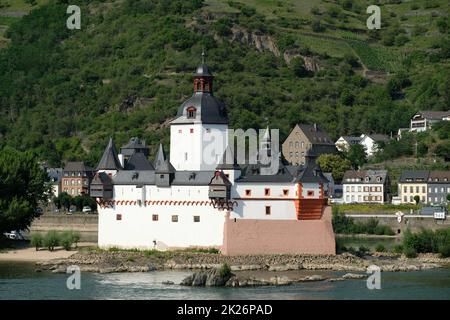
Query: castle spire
203, 79
109, 160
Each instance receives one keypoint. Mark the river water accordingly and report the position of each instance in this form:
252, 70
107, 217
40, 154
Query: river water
21, 281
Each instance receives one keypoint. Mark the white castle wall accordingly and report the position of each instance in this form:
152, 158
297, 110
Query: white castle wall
254, 206
200, 150
136, 229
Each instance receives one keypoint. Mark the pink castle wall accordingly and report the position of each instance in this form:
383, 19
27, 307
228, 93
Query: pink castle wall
248, 236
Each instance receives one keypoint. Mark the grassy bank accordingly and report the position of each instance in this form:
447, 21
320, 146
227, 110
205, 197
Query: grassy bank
376, 208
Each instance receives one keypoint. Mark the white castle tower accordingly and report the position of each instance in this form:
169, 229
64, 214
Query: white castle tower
198, 136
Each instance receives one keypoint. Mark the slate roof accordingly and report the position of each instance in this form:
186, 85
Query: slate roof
208, 110
439, 177
434, 115
109, 160
139, 177
410, 176
351, 139
77, 166
378, 137
195, 178
202, 70
360, 177
310, 172
252, 173
133, 177
315, 134
138, 161
101, 178
54, 174
318, 149
162, 164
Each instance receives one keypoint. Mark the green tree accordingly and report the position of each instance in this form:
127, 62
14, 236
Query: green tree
36, 240
22, 187
417, 199
335, 164
78, 202
356, 155
90, 202
65, 200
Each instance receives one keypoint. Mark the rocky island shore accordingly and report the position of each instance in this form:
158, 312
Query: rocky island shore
102, 261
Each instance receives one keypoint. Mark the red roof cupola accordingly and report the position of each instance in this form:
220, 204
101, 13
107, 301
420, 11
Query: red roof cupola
203, 79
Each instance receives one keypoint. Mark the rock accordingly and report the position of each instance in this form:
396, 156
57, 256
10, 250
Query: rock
353, 276
258, 40
168, 282
232, 282
187, 281
209, 278
152, 267
280, 281
310, 62
59, 270
315, 277
335, 279
199, 279
279, 268
245, 267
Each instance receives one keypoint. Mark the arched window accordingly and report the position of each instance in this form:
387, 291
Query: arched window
191, 112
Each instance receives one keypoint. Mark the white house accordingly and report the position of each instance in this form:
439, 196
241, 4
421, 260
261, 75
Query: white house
371, 142
423, 120
344, 142
371, 186
201, 196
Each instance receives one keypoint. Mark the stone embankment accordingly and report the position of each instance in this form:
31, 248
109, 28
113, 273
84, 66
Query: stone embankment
125, 261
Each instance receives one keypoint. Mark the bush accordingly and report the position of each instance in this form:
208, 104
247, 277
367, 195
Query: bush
66, 240
37, 240
225, 270
444, 250
428, 241
346, 225
410, 252
363, 249
76, 236
380, 248
398, 248
51, 240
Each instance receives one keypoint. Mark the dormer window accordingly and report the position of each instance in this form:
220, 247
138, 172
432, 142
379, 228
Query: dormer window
191, 112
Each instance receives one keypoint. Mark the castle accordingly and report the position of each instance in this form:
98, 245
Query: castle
207, 199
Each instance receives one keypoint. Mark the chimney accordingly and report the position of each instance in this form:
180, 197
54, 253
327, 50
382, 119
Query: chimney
315, 126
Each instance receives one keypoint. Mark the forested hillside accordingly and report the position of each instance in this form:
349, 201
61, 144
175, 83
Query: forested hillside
124, 74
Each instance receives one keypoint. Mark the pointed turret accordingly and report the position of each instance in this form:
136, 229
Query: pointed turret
109, 160
164, 172
162, 164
